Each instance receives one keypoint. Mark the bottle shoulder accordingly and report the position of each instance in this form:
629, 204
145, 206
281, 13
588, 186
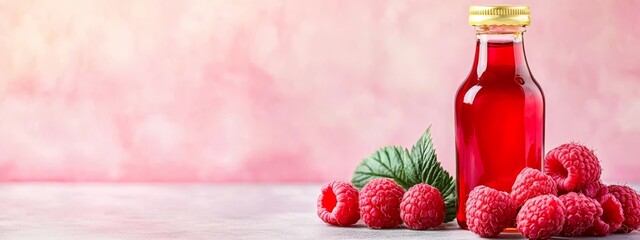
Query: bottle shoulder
496, 83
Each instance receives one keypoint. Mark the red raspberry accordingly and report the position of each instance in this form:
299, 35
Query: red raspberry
338, 204
422, 207
610, 217
630, 201
541, 217
489, 211
594, 190
531, 183
572, 166
580, 214
380, 203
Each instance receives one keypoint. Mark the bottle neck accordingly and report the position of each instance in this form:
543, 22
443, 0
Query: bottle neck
500, 46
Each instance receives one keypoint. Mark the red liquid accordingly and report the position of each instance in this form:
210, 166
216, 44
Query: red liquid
499, 121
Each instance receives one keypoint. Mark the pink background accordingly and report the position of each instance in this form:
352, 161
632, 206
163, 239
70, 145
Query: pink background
270, 90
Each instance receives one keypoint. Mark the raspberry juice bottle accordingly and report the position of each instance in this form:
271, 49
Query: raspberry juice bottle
499, 108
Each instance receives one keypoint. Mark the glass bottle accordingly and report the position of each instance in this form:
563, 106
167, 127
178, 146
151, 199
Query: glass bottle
499, 109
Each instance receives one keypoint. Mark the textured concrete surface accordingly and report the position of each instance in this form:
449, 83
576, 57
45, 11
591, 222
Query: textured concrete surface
182, 211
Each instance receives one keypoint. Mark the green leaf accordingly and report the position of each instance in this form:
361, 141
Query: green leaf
410, 168
387, 162
425, 168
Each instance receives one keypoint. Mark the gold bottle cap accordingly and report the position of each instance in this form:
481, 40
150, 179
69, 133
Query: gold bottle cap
499, 15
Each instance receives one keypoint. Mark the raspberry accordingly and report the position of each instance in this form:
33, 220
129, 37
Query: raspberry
531, 183
580, 214
594, 190
610, 217
489, 211
380, 203
541, 217
572, 166
630, 201
338, 204
422, 207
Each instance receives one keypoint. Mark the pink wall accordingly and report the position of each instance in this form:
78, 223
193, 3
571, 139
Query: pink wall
285, 90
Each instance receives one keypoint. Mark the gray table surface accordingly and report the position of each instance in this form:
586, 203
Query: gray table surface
184, 211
